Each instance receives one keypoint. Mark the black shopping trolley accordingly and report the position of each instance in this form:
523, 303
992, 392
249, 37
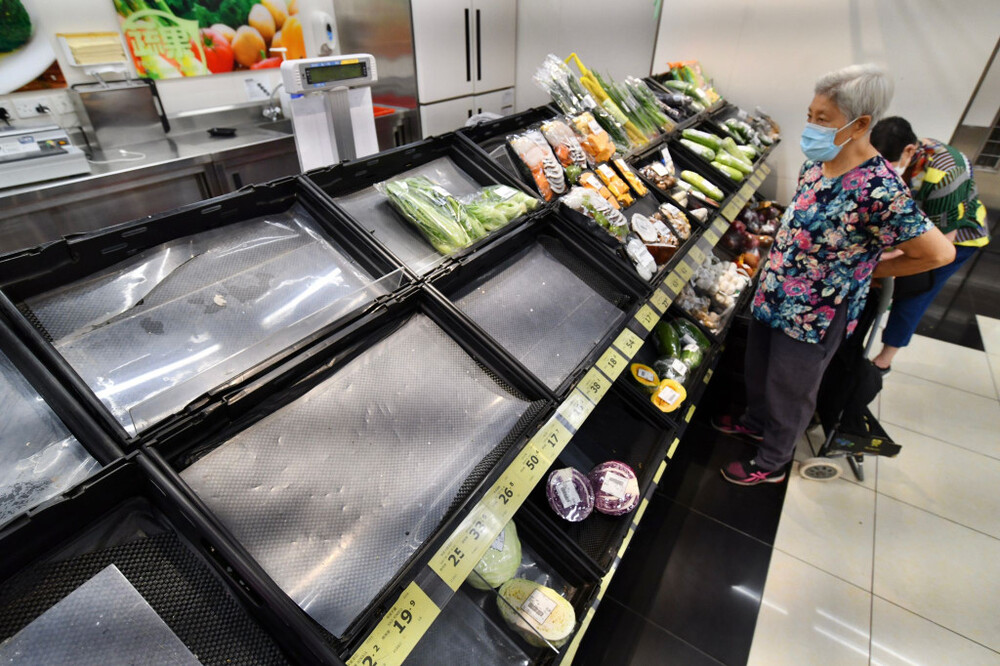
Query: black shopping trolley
850, 384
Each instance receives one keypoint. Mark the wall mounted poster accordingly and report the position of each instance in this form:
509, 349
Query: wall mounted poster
27, 61
174, 38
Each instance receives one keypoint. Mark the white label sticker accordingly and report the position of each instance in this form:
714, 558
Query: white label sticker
606, 171
691, 346
589, 102
660, 170
498, 542
646, 374
538, 607
614, 484
662, 229
594, 127
668, 395
504, 192
567, 494
678, 366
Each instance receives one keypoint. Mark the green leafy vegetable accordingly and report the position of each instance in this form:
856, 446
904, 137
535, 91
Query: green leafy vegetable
431, 210
501, 561
15, 25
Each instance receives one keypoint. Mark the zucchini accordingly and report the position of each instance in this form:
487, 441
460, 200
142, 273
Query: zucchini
729, 146
680, 86
733, 162
749, 152
703, 185
729, 172
738, 129
668, 339
699, 149
704, 138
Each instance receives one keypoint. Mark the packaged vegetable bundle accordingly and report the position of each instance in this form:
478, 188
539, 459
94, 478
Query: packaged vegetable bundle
626, 171
564, 143
534, 152
497, 205
594, 139
440, 217
591, 182
615, 184
597, 208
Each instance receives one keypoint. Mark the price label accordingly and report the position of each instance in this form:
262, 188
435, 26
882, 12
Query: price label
712, 237
455, 560
690, 413
756, 179
675, 283
697, 254
765, 170
708, 375
647, 317
731, 210
673, 447
594, 385
720, 225
551, 439
575, 409
659, 472
399, 630
746, 192
611, 363
661, 300
684, 270
628, 343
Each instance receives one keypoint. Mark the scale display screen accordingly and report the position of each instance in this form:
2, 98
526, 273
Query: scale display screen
319, 74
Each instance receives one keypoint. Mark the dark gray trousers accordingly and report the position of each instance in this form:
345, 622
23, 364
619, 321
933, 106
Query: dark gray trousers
783, 377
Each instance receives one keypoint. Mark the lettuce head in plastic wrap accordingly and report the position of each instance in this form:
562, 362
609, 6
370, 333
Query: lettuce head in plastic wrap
501, 561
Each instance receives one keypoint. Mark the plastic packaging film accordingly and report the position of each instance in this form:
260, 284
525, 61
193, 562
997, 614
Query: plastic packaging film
334, 492
104, 622
39, 458
155, 332
541, 311
374, 213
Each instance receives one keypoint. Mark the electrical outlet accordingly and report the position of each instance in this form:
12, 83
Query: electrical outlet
27, 107
60, 103
8, 106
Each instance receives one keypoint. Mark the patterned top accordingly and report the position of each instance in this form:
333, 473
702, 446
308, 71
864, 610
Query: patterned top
940, 178
830, 239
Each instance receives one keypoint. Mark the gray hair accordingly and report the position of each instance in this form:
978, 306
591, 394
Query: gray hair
858, 90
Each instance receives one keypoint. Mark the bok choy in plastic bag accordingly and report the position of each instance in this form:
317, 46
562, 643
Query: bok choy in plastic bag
441, 218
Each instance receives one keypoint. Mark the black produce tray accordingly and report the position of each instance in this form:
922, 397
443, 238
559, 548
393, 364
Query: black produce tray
685, 158
125, 518
647, 157
350, 186
70, 262
619, 430
491, 137
186, 443
545, 245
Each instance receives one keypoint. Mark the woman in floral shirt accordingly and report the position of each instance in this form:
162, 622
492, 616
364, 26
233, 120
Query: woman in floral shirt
849, 206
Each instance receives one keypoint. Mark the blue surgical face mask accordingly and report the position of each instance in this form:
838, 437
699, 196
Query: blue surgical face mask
818, 142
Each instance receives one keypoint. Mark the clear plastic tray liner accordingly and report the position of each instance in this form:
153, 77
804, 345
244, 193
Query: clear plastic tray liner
104, 622
334, 492
374, 213
540, 311
153, 333
39, 458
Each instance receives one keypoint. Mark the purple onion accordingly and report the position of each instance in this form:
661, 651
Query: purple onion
616, 488
570, 494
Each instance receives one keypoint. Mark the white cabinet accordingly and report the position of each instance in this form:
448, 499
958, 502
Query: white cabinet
447, 116
463, 46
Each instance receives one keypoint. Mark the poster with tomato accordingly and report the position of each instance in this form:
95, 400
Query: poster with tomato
174, 38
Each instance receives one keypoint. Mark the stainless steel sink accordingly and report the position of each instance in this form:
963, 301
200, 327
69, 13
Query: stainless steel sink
283, 126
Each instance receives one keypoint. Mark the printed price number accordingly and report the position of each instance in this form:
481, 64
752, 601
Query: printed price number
595, 385
628, 343
612, 363
675, 283
576, 408
712, 237
661, 300
697, 254
398, 632
647, 317
720, 225
685, 271
551, 439
454, 561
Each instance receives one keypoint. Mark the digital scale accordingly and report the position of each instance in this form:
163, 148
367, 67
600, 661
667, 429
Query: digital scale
332, 114
39, 153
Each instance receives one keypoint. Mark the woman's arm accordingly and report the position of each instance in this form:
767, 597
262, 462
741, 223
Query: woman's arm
925, 252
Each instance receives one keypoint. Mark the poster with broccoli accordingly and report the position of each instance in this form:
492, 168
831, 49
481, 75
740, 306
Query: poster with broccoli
175, 38
27, 61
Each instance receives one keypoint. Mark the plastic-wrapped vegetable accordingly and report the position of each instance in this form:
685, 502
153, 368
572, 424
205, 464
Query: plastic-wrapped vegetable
500, 562
594, 139
533, 150
626, 171
657, 174
676, 219
702, 184
698, 149
691, 333
592, 182
616, 488
496, 205
570, 494
670, 367
437, 215
615, 184
641, 258
645, 376
536, 612
644, 229
597, 208
669, 395
564, 143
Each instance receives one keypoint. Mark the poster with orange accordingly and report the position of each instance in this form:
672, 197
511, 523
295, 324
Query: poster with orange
174, 38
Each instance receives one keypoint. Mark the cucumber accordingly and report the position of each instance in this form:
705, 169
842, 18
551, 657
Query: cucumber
729, 146
699, 149
737, 128
729, 172
668, 339
733, 162
707, 188
704, 138
749, 152
680, 86
686, 328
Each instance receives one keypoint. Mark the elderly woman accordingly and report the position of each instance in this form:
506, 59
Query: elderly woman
849, 206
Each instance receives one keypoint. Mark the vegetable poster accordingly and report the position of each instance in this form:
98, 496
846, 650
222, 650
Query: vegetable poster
27, 61
175, 38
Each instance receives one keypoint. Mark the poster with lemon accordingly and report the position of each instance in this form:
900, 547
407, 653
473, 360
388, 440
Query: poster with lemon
174, 38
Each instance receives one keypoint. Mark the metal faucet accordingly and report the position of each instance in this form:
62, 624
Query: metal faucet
273, 111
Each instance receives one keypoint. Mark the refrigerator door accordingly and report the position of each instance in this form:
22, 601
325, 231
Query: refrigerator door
495, 40
444, 36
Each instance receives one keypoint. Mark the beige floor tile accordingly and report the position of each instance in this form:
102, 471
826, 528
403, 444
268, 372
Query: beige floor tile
939, 570
808, 616
989, 330
900, 638
946, 363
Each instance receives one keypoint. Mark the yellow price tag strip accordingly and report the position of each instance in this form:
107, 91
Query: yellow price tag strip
720, 225
661, 300
551, 439
673, 447
642, 510
456, 559
659, 472
684, 270
575, 409
746, 192
766, 170
675, 283
697, 254
687, 417
594, 385
708, 375
611, 363
399, 630
647, 317
731, 210
628, 343
712, 237
570, 654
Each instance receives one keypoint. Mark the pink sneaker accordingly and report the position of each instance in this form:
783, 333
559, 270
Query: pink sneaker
731, 426
746, 473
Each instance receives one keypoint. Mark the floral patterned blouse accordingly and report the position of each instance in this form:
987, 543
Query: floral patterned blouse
830, 239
